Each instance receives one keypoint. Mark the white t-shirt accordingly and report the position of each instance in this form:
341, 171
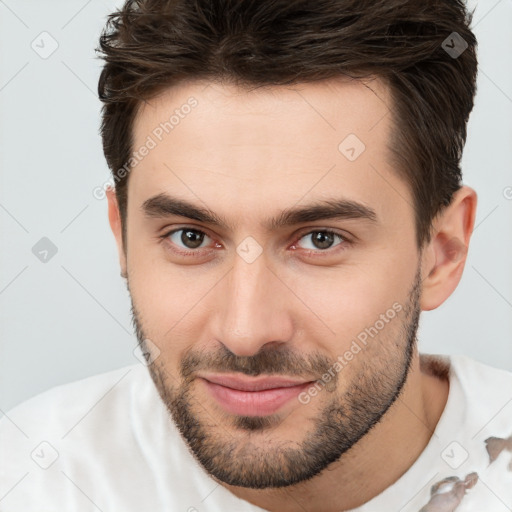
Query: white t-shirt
107, 443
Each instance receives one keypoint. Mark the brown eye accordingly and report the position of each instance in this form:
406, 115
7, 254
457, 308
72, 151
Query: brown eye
187, 238
322, 239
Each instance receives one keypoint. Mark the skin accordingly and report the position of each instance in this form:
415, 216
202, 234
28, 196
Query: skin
248, 156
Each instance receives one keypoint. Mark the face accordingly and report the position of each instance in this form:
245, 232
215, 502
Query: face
273, 271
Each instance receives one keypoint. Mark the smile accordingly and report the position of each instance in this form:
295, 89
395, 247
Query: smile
253, 397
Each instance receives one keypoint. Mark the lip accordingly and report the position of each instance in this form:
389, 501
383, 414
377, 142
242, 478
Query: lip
252, 396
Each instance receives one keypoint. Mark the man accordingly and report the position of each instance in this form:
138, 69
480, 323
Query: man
287, 200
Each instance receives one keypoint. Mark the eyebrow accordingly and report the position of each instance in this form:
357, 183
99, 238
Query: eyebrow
164, 205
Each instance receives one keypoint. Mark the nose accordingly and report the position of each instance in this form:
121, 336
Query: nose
253, 308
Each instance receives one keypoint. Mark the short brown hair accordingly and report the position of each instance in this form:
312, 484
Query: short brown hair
150, 45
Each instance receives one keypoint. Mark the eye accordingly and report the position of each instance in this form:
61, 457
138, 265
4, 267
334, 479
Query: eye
322, 239
188, 241
187, 238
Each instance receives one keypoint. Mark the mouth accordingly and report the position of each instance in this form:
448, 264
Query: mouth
252, 396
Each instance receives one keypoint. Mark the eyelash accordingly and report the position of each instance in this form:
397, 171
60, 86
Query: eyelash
194, 253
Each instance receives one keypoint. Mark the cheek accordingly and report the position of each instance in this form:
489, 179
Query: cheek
171, 301
336, 304
343, 302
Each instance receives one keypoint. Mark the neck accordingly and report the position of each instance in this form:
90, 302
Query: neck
357, 477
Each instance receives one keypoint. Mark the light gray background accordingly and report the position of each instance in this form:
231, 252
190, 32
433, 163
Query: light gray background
69, 318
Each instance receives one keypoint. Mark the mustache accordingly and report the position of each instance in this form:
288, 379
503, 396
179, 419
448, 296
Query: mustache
269, 361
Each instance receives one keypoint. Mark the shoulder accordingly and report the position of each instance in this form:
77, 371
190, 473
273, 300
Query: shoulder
65, 402
470, 372
74, 431
480, 393
480, 398
78, 411
106, 439
480, 379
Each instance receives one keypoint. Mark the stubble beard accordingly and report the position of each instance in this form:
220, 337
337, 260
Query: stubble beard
241, 450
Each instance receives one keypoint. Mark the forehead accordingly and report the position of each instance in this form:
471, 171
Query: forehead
255, 150
338, 106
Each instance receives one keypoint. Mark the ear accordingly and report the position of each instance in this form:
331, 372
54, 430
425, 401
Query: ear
114, 219
444, 257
